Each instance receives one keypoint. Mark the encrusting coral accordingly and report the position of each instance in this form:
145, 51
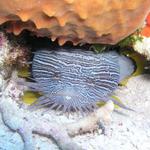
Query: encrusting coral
146, 30
11, 52
78, 21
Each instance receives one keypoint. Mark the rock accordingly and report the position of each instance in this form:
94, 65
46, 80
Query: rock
78, 21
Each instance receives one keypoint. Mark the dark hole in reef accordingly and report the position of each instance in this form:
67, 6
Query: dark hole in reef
44, 42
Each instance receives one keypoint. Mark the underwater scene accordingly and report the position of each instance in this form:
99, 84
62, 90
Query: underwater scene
74, 75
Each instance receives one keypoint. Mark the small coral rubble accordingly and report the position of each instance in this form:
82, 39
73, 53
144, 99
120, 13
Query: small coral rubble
78, 21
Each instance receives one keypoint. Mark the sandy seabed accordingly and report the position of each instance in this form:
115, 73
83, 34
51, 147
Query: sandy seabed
127, 131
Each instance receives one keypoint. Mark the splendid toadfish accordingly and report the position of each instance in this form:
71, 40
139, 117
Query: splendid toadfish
77, 79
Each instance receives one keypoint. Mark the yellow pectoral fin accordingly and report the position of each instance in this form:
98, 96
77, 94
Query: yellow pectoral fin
101, 103
30, 97
124, 82
140, 64
139, 60
24, 72
117, 99
139, 70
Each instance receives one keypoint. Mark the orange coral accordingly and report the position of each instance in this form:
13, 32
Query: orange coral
146, 30
79, 21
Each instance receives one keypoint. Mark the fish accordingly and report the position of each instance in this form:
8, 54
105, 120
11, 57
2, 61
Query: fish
77, 79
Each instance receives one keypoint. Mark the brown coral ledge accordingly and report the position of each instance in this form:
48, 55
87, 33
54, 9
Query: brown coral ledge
79, 21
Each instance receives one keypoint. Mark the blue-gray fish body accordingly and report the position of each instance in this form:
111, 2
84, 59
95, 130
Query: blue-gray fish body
75, 79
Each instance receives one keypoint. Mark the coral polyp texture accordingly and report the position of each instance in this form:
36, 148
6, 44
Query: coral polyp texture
77, 79
79, 21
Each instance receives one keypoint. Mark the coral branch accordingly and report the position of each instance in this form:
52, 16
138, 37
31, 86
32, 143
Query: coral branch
57, 133
91, 122
14, 119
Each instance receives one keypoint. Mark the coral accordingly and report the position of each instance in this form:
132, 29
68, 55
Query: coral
143, 47
130, 40
78, 21
4, 48
148, 19
92, 121
11, 52
146, 30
